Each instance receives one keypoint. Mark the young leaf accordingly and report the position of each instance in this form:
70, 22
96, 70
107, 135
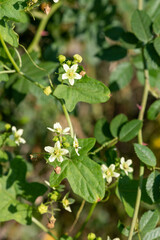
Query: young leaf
156, 44
8, 34
117, 123
102, 132
156, 25
130, 130
153, 234
153, 186
85, 90
141, 25
84, 176
121, 76
148, 222
154, 110
145, 155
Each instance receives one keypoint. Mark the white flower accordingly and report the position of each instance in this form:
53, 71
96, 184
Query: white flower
56, 1
126, 165
56, 152
16, 136
108, 238
57, 128
76, 145
108, 172
71, 74
66, 202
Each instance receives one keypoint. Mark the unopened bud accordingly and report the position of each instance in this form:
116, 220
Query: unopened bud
55, 139
52, 219
42, 208
69, 62
7, 126
61, 58
77, 58
47, 90
82, 73
91, 236
66, 144
57, 170
98, 238
46, 7
54, 196
51, 223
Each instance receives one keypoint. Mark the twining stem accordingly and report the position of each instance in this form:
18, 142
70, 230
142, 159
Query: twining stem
77, 216
42, 26
106, 144
40, 225
86, 221
140, 141
36, 83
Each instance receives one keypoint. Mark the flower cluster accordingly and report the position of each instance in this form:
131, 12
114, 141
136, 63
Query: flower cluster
109, 172
58, 152
71, 68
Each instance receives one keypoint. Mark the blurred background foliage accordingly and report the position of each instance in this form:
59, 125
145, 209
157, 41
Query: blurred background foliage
87, 28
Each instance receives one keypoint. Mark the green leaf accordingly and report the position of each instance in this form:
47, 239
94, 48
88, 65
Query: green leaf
154, 110
141, 25
153, 8
153, 186
117, 123
13, 10
8, 34
153, 235
121, 76
148, 222
145, 155
127, 192
152, 56
130, 130
129, 40
114, 33
86, 90
102, 132
3, 156
112, 53
3, 76
156, 25
156, 44
84, 176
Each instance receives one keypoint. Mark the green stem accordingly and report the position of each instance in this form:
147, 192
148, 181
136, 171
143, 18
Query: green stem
140, 141
106, 144
86, 221
42, 26
77, 216
68, 118
140, 4
9, 55
40, 225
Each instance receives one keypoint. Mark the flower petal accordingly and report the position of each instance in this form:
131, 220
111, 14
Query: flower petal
49, 149
112, 167
64, 76
60, 159
57, 145
122, 160
129, 162
67, 129
104, 168
77, 76
22, 140
57, 125
52, 158
51, 129
130, 169
66, 67
116, 175
14, 129
64, 151
71, 81
74, 67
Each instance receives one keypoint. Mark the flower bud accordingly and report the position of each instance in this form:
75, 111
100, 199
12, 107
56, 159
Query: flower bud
47, 90
63, 139
7, 126
61, 58
54, 196
57, 170
77, 58
55, 139
82, 73
66, 144
69, 62
98, 238
42, 208
91, 236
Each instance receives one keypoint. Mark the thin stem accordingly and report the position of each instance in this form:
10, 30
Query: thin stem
106, 144
77, 216
140, 4
40, 225
7, 71
9, 55
42, 26
68, 118
140, 141
86, 221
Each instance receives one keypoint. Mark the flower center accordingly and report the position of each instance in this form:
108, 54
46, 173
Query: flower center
70, 73
108, 173
57, 152
125, 165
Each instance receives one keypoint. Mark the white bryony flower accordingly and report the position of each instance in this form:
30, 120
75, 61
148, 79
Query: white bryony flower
76, 145
66, 202
57, 128
56, 1
108, 172
56, 152
71, 74
125, 166
16, 136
